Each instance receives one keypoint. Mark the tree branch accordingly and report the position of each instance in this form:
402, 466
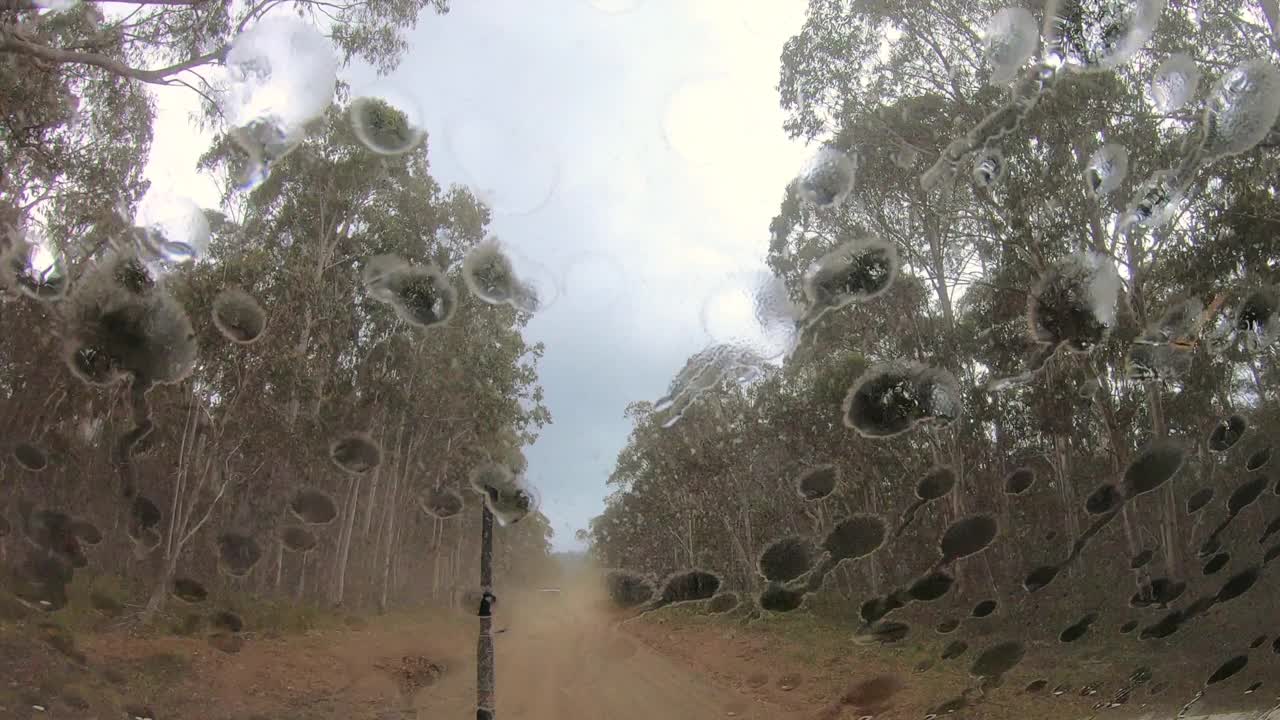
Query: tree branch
11, 42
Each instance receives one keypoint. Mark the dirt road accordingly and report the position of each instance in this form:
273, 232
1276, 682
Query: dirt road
557, 658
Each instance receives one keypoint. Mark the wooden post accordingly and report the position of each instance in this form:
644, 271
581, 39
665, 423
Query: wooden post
485, 705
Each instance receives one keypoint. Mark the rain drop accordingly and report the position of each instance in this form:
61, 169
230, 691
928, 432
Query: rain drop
356, 453
237, 553
1216, 563
1199, 499
1107, 169
283, 74
817, 483
1074, 304
984, 608
1241, 109
723, 603
297, 538
313, 507
1103, 500
170, 228
489, 275
1174, 83
988, 167
387, 122
1228, 669
1019, 481
35, 268
29, 457
1258, 460
930, 587
189, 590
1079, 629
786, 559
227, 621
998, 659
1227, 433
507, 495
827, 178
441, 503
777, 598
946, 627
1154, 466
419, 295
1157, 200
689, 586
238, 316
1256, 320
857, 271
968, 536
627, 589
1010, 39
855, 537
1094, 35
891, 398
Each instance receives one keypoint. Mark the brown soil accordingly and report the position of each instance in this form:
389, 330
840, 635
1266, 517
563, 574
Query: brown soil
555, 660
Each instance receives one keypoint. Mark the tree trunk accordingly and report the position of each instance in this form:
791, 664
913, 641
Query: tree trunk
344, 540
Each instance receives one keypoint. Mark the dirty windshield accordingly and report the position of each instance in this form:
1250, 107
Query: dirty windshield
639, 359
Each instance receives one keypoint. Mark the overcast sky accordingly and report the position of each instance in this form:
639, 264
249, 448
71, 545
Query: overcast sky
634, 154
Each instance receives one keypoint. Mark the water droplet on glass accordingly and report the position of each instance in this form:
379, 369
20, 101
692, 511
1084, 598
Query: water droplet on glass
356, 453
753, 312
386, 121
817, 483
1153, 467
281, 74
988, 167
508, 496
238, 553
189, 590
298, 539
857, 271
1019, 481
488, 272
419, 294
170, 228
29, 457
34, 267
1257, 319
238, 316
1228, 669
967, 536
627, 589
1074, 304
1093, 35
1010, 40
1107, 169
1227, 433
786, 559
689, 586
441, 503
827, 178
1241, 109
1174, 83
705, 370
313, 507
891, 398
